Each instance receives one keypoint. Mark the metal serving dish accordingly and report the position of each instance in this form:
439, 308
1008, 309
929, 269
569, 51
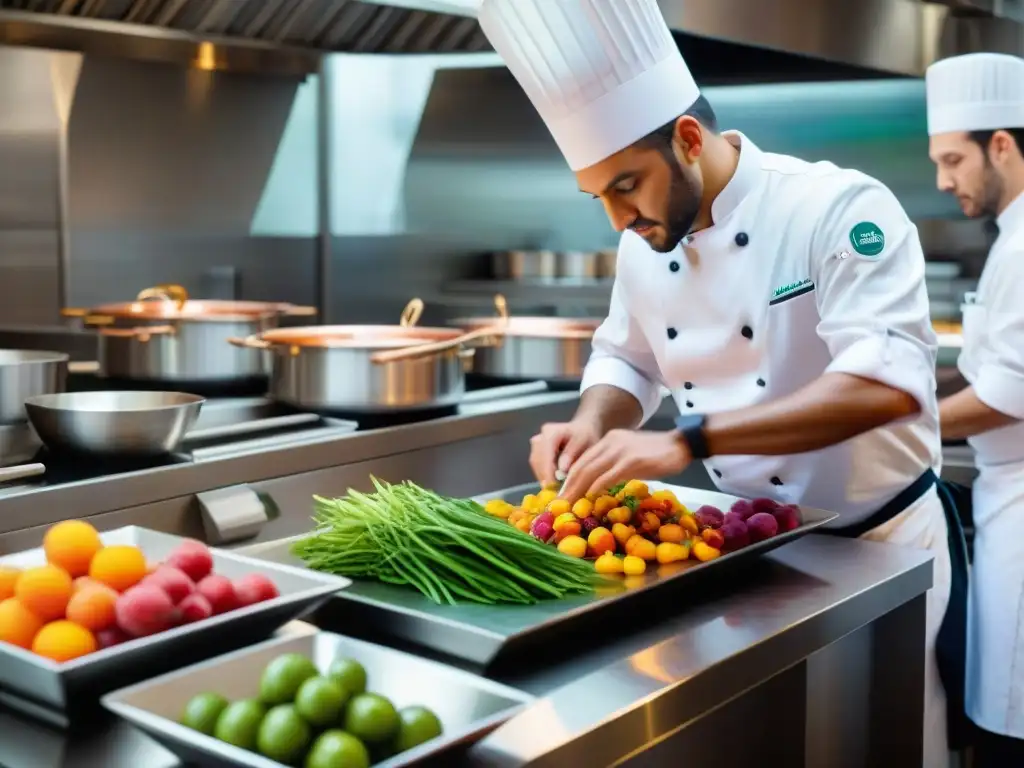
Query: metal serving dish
468, 706
114, 423
25, 373
481, 634
338, 368
78, 683
165, 336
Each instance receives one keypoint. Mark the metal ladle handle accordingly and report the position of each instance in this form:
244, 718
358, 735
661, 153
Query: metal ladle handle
166, 292
411, 314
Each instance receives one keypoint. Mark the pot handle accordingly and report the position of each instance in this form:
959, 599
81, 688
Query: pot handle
249, 342
437, 347
295, 310
141, 333
412, 313
167, 292
501, 307
74, 312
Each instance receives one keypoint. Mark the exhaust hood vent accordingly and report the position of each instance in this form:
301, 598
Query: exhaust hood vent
288, 35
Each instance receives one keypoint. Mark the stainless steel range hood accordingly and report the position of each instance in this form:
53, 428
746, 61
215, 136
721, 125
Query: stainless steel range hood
251, 35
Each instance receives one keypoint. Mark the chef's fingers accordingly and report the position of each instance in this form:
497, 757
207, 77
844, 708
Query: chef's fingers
574, 447
544, 449
591, 463
619, 471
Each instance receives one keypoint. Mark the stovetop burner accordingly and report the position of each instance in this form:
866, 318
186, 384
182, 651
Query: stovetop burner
367, 421
91, 382
479, 381
73, 467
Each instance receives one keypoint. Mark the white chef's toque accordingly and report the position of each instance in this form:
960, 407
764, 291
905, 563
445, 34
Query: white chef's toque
602, 73
975, 92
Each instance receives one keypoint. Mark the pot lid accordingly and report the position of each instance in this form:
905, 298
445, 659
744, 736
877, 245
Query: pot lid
171, 302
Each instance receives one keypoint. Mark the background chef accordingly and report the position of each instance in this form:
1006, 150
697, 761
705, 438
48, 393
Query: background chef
783, 303
976, 124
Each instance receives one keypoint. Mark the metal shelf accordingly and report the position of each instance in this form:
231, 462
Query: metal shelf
555, 292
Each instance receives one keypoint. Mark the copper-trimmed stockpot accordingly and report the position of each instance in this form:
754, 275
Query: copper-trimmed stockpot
165, 336
546, 348
369, 368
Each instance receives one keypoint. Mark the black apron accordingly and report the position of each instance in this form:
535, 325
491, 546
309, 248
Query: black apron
951, 643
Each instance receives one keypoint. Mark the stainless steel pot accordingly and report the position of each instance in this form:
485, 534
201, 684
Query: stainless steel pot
25, 373
114, 423
177, 339
346, 368
548, 348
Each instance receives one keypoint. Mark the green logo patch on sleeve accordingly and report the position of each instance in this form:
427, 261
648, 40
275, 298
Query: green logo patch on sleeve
867, 239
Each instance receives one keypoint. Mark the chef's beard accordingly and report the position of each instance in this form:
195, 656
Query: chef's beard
992, 189
684, 194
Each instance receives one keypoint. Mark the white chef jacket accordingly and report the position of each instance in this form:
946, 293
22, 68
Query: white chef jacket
807, 269
992, 359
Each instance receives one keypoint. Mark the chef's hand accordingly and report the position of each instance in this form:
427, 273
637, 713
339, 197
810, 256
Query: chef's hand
625, 454
557, 446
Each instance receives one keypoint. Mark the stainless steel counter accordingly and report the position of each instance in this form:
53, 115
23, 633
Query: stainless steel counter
793, 662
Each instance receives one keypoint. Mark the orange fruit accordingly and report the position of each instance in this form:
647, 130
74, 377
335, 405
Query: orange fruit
71, 545
120, 567
93, 608
45, 591
8, 578
18, 625
63, 641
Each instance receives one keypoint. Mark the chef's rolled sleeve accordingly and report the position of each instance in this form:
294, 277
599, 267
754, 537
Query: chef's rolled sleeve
1000, 379
868, 270
622, 357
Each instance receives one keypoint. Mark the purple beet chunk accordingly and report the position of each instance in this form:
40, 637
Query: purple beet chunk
731, 517
762, 526
764, 505
588, 524
743, 508
543, 526
735, 533
788, 517
709, 517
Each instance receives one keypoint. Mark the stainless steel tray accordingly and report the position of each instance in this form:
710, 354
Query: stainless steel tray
480, 633
62, 687
468, 706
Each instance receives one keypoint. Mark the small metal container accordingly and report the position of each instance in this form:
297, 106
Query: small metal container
579, 265
469, 707
25, 373
114, 423
79, 683
608, 259
165, 336
526, 265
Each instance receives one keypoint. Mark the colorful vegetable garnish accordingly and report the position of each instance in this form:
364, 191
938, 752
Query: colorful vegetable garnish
451, 550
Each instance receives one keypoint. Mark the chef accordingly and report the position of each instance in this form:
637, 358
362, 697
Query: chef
976, 128
782, 302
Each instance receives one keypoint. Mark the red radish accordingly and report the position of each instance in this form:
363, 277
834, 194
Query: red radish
254, 588
145, 610
220, 593
195, 608
193, 558
173, 581
108, 638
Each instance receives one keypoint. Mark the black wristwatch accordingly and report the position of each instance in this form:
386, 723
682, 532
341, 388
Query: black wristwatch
691, 429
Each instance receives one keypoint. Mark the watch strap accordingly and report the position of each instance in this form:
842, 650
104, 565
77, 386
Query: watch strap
691, 429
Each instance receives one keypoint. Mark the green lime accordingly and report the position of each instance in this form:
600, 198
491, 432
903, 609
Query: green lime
321, 701
418, 724
349, 674
202, 711
284, 735
239, 723
283, 676
337, 749
371, 718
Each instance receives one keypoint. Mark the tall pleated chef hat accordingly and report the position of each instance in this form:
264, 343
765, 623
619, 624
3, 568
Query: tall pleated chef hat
975, 92
601, 73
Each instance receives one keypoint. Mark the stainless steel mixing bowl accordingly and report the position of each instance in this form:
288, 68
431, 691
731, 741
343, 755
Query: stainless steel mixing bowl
114, 423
